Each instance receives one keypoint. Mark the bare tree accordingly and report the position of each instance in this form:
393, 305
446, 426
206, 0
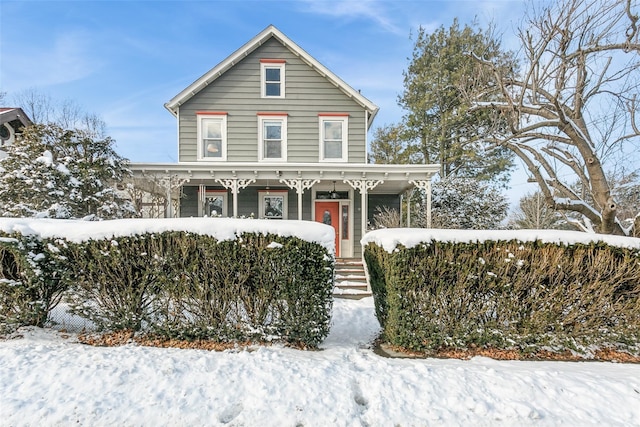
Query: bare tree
534, 212
572, 109
67, 114
38, 106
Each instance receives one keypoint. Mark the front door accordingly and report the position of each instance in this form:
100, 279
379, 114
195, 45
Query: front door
329, 213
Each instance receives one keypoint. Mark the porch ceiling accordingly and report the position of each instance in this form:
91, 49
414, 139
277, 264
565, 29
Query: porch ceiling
395, 178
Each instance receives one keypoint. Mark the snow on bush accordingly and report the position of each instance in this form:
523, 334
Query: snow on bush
521, 290
389, 239
219, 228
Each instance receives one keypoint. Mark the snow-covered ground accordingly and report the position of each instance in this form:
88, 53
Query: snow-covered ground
47, 379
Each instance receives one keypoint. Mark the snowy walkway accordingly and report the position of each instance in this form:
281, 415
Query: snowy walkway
48, 380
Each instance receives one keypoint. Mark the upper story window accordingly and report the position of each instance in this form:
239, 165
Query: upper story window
272, 137
212, 136
333, 137
272, 78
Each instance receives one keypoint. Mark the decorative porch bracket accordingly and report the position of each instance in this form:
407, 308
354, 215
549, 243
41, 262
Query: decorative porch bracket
363, 186
235, 185
425, 186
170, 183
299, 185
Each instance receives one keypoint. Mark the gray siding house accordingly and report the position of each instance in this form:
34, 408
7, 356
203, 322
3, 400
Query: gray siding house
271, 133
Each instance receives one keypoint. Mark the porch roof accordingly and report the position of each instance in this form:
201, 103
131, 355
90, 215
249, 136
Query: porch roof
393, 178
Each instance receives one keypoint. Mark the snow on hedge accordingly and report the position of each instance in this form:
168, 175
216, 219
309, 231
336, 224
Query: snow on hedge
219, 228
390, 238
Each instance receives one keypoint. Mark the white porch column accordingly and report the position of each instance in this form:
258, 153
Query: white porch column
202, 189
363, 186
299, 185
426, 187
171, 183
235, 185
409, 209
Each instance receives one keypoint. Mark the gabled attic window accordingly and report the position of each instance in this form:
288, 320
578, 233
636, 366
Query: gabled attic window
272, 72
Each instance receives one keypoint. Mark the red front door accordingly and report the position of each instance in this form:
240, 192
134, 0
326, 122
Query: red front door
329, 213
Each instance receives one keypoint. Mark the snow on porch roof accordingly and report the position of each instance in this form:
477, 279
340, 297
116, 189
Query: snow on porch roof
252, 45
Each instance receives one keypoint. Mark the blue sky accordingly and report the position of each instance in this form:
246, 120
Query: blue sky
124, 59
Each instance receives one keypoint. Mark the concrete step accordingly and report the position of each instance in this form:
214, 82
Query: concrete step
351, 293
350, 271
350, 279
350, 275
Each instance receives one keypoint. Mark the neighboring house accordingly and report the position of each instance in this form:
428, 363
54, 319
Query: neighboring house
271, 133
12, 121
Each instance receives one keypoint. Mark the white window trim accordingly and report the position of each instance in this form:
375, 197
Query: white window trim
263, 77
270, 193
217, 193
345, 137
272, 118
201, 118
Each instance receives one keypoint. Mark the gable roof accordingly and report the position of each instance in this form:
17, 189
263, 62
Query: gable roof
252, 45
8, 115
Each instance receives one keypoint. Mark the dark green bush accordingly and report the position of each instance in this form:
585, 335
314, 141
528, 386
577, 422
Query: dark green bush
113, 282
506, 295
189, 286
30, 281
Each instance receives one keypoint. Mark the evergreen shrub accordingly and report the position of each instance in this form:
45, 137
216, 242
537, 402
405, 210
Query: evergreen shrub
506, 294
190, 286
31, 284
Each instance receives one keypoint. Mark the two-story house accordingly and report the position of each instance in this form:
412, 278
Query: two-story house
270, 132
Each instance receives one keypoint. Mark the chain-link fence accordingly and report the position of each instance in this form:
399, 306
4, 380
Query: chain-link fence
62, 319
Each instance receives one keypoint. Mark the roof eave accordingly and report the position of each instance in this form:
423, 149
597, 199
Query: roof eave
11, 114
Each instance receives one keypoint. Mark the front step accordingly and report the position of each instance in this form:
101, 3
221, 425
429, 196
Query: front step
350, 279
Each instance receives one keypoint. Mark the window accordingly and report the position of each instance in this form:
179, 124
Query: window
212, 136
333, 137
272, 136
272, 78
213, 203
273, 204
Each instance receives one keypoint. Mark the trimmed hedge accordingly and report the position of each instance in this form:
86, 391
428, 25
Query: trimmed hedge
506, 294
173, 285
189, 286
30, 281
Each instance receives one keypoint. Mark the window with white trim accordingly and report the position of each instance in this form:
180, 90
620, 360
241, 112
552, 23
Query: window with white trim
272, 138
273, 204
213, 203
212, 136
272, 78
333, 138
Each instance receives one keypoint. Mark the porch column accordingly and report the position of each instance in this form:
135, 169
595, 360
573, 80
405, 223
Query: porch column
363, 186
235, 185
171, 183
202, 190
426, 187
409, 209
299, 185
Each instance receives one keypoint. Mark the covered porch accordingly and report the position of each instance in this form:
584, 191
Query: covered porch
341, 195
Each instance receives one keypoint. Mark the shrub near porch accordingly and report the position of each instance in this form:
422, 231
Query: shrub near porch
200, 278
524, 290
